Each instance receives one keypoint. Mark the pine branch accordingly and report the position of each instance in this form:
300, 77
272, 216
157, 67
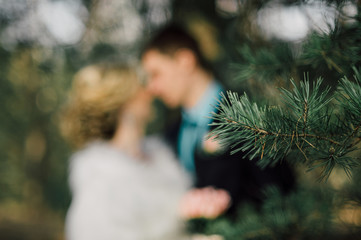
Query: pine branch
306, 126
337, 50
349, 99
306, 213
263, 132
264, 63
331, 52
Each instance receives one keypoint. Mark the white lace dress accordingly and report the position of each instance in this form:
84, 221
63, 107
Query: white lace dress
116, 197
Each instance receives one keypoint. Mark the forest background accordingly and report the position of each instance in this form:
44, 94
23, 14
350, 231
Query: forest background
255, 46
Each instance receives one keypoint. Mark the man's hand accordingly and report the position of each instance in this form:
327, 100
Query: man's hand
205, 202
211, 145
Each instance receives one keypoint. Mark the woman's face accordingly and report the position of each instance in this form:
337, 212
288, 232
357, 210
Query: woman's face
140, 105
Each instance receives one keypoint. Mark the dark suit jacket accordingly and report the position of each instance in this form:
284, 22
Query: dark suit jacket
241, 177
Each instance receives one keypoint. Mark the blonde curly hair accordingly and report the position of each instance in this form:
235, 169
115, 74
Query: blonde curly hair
95, 100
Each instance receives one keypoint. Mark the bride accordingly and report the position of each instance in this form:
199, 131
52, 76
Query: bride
124, 185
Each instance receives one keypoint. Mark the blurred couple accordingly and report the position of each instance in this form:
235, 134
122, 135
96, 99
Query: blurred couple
126, 185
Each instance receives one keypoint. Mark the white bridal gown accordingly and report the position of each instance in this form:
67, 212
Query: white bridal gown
117, 197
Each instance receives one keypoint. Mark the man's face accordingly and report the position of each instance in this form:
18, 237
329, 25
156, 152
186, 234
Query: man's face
166, 77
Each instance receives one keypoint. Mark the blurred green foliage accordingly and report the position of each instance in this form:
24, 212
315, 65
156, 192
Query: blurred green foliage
36, 70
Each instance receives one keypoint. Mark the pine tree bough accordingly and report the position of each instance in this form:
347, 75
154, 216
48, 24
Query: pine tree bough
264, 133
325, 131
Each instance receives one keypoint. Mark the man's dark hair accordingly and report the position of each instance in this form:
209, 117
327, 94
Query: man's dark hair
171, 38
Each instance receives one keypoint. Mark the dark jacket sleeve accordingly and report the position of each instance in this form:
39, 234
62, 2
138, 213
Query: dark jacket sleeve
241, 177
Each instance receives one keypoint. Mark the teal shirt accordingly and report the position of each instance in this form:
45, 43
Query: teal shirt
195, 125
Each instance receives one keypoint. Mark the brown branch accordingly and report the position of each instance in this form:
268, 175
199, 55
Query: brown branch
264, 144
304, 154
353, 134
309, 143
305, 114
293, 134
264, 132
298, 120
329, 62
356, 142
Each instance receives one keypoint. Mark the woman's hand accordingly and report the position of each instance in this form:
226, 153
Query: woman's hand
205, 202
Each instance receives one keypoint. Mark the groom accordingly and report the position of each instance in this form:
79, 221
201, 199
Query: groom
181, 77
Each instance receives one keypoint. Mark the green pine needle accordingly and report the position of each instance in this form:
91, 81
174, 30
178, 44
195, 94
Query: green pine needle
304, 125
